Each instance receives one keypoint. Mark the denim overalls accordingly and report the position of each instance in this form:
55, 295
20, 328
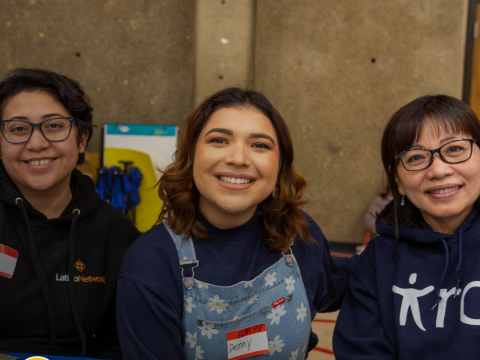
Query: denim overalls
276, 298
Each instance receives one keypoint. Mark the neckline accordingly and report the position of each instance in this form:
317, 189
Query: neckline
252, 225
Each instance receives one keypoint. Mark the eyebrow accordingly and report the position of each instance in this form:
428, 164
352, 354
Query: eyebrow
449, 138
220, 130
20, 117
252, 136
261, 136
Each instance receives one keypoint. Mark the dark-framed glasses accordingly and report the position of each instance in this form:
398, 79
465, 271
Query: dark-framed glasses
20, 131
454, 152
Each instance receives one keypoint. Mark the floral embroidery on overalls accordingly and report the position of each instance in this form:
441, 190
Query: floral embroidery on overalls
276, 297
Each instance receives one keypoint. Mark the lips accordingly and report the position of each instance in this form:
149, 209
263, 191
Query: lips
445, 191
39, 162
234, 180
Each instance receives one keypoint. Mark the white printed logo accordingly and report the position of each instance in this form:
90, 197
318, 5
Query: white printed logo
410, 302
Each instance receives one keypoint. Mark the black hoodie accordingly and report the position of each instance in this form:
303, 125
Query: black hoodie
41, 311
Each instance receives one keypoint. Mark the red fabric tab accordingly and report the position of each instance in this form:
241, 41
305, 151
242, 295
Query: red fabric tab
278, 302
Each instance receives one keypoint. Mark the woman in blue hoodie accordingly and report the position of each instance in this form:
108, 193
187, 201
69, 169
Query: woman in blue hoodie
415, 290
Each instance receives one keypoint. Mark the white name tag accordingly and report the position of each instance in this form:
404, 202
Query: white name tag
247, 342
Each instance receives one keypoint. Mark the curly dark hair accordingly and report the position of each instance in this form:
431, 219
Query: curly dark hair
282, 217
405, 128
66, 91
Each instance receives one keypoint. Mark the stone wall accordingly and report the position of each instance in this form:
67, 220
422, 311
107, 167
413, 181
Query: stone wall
336, 71
135, 59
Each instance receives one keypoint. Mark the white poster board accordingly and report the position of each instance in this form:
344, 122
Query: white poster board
158, 141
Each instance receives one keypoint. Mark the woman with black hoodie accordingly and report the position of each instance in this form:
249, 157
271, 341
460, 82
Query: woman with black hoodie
414, 293
60, 245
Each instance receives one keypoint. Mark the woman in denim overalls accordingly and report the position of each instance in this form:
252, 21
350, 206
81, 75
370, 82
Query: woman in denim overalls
220, 276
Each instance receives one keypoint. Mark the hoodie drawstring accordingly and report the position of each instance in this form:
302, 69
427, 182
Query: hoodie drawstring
40, 274
43, 281
71, 289
458, 281
445, 268
459, 263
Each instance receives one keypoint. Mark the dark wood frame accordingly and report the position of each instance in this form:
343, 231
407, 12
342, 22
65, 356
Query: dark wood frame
468, 64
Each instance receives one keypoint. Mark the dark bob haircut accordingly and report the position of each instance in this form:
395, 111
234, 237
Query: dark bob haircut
66, 91
444, 113
282, 217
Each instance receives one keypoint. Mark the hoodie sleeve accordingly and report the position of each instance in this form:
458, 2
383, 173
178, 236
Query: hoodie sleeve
120, 233
359, 332
325, 277
150, 300
150, 326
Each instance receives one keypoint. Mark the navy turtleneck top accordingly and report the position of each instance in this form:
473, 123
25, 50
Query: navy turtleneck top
150, 292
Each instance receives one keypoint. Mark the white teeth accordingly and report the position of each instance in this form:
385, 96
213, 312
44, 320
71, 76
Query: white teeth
39, 162
444, 191
235, 180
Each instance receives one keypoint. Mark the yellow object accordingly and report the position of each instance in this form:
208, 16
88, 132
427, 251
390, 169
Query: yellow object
150, 204
94, 163
91, 162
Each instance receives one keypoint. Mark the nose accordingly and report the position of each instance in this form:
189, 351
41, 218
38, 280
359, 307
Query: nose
237, 156
439, 168
37, 141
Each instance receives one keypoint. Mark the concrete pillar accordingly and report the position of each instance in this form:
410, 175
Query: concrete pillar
223, 45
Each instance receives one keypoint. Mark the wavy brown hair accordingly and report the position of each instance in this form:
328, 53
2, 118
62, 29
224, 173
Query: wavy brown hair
282, 218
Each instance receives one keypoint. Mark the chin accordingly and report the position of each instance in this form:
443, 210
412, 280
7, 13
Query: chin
233, 209
39, 186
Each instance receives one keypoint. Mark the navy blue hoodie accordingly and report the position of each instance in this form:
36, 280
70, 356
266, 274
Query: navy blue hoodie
401, 302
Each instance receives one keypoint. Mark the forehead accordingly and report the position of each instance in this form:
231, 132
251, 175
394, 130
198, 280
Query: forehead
31, 104
433, 130
240, 119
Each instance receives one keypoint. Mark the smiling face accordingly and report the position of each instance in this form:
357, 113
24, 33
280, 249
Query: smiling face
236, 164
444, 193
39, 165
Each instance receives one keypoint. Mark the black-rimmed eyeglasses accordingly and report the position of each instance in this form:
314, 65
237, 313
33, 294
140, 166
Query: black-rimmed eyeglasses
20, 131
454, 152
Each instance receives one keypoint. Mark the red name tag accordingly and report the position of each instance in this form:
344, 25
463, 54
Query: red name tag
8, 261
278, 302
248, 342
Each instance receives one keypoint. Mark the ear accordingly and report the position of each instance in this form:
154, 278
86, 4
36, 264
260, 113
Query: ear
82, 146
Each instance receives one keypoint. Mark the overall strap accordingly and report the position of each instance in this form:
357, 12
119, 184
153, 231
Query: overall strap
185, 250
186, 254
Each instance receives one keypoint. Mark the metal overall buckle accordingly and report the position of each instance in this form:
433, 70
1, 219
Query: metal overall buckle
188, 282
289, 258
